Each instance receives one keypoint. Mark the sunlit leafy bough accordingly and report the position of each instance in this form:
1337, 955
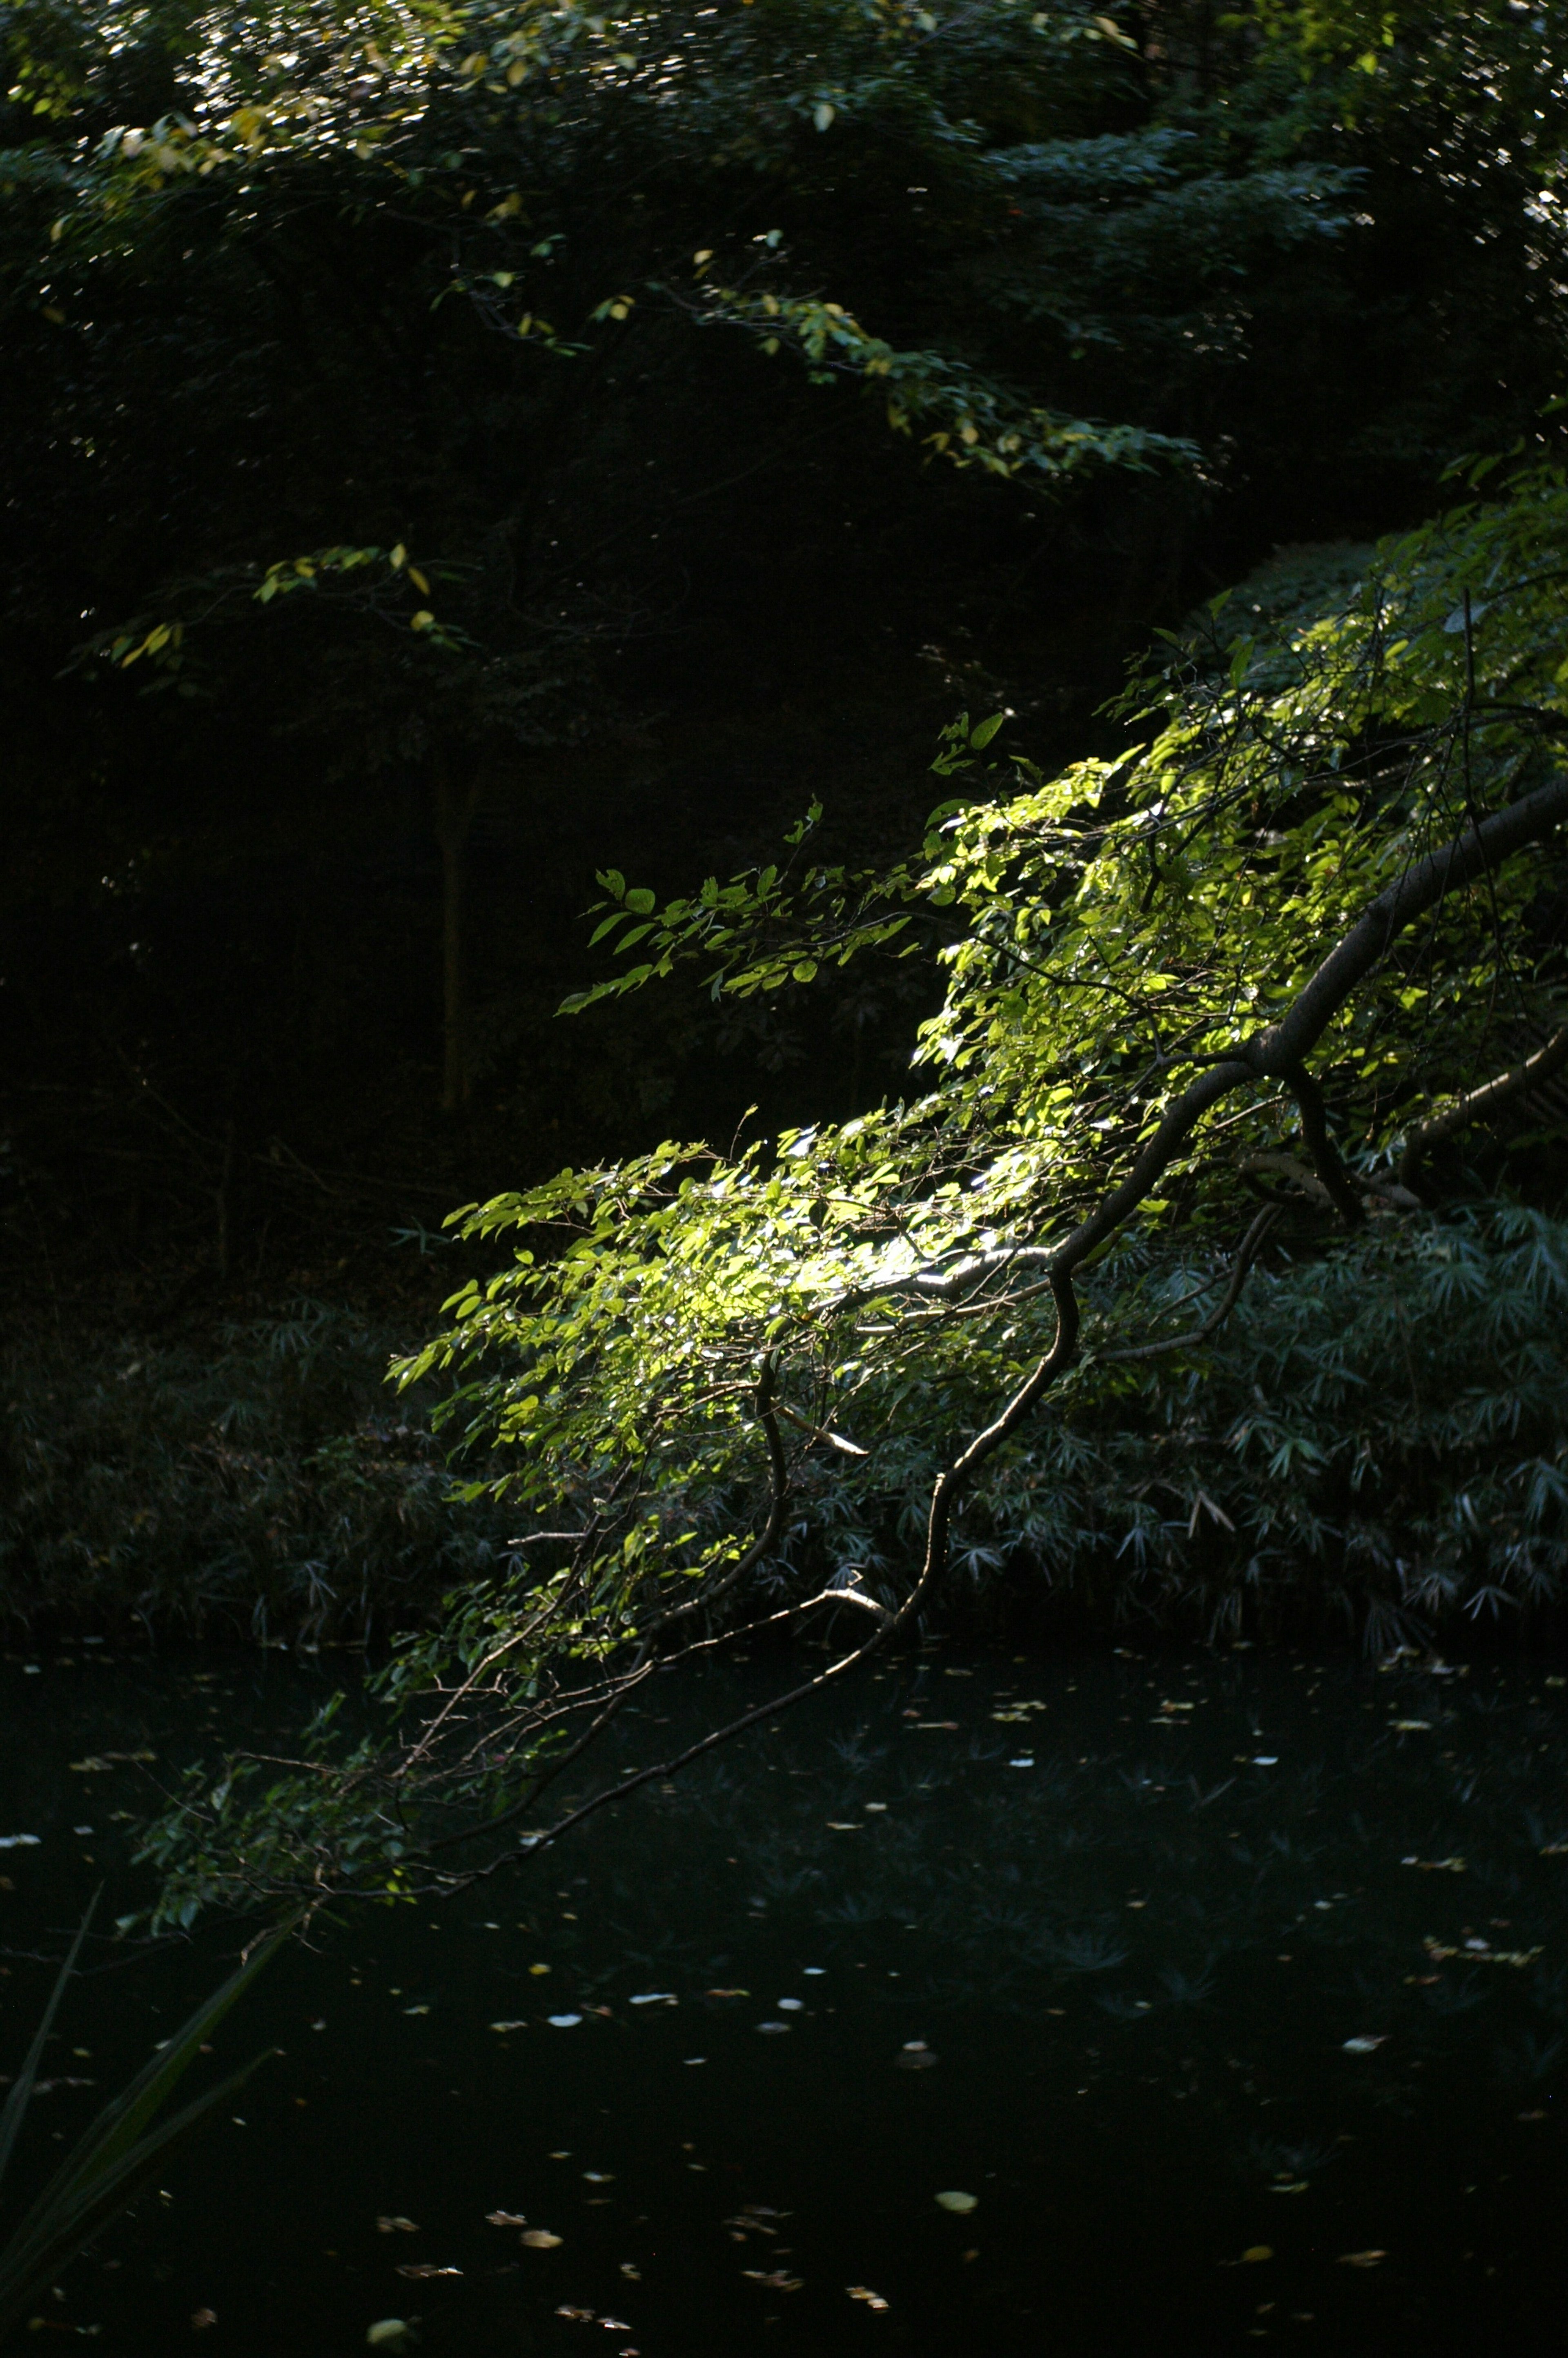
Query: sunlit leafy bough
1276, 951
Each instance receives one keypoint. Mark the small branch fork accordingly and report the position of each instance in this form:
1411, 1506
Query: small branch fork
1276, 1054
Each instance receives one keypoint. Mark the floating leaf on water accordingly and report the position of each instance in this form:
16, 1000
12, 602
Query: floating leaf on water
864, 2292
389, 2333
538, 1969
792, 2005
694, 2059
1413, 1726
729, 1992
654, 1997
539, 2239
1365, 2046
20, 1841
506, 2219
1265, 1760
1479, 1952
408, 2009
777, 2279
578, 2316
565, 2021
845, 1827
389, 2224
771, 2029
599, 2177
422, 2268
1361, 2259
508, 2025
955, 2200
202, 2317
1255, 2252
1437, 1865
632, 2272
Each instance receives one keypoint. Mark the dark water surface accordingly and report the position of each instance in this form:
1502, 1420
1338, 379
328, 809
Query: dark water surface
1234, 1990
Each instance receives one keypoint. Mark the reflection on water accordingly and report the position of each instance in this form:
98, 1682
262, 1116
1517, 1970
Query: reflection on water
1233, 1992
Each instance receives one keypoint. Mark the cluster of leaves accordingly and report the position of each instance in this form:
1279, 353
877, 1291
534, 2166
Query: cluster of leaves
698, 1367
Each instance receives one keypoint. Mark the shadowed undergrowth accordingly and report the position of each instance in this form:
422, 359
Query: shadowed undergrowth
1377, 1442
261, 1479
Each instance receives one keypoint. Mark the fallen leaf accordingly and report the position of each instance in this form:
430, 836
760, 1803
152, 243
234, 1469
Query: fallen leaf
1255, 2252
1361, 2259
506, 2219
632, 2272
508, 2025
1365, 2046
864, 2292
422, 2268
539, 2239
201, 2318
777, 2279
565, 2021
387, 2333
956, 2200
395, 2226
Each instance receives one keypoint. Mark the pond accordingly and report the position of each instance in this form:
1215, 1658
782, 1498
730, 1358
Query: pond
998, 2004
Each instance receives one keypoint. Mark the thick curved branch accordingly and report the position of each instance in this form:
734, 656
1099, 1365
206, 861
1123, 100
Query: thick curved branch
1278, 1052
1478, 1105
1453, 866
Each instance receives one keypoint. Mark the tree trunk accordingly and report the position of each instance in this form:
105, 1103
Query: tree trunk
456, 803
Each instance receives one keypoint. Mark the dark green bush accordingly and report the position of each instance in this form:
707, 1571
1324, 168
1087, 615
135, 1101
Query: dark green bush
1379, 1437
264, 1478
